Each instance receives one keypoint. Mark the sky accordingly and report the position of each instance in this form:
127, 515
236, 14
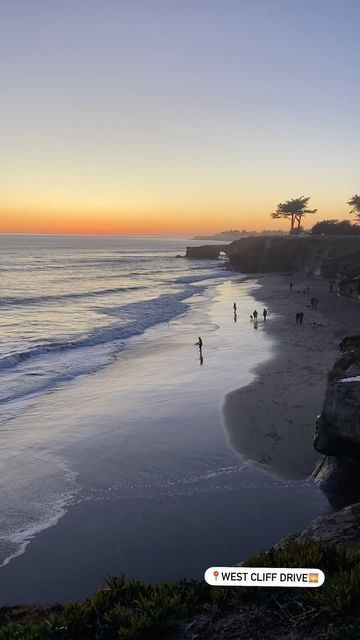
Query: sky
176, 116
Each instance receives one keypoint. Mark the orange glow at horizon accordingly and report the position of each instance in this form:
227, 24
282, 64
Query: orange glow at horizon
172, 221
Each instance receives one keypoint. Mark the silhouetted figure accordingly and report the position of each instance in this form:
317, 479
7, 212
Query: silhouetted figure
316, 302
301, 317
200, 343
265, 314
312, 302
255, 315
235, 308
291, 286
297, 317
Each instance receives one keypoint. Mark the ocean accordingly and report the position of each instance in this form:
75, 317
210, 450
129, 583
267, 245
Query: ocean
68, 304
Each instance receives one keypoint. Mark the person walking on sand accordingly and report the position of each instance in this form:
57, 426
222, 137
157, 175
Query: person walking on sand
312, 302
301, 317
199, 343
235, 308
265, 314
255, 315
297, 317
316, 302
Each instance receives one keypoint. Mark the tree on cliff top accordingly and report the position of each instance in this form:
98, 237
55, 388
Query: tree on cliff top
293, 210
354, 202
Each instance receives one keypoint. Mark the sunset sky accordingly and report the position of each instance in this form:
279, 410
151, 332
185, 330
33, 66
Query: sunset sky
176, 116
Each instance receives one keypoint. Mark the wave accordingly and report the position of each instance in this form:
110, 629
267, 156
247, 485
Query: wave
141, 315
13, 300
211, 276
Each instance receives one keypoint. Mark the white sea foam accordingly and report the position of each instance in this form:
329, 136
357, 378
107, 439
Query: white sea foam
32, 501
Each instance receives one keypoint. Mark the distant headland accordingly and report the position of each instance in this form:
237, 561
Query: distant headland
235, 234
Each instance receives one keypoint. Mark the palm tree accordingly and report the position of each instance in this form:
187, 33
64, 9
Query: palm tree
354, 202
293, 210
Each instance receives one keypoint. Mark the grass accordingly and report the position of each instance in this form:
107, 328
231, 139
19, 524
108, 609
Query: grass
132, 610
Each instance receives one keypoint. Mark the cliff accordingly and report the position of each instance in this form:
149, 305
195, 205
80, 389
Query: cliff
306, 254
337, 433
341, 528
310, 255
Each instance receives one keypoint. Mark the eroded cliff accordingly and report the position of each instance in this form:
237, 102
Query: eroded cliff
337, 433
310, 255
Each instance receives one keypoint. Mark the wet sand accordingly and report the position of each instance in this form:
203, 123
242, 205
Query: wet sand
272, 420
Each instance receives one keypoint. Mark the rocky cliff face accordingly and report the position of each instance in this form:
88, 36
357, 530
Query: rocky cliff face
337, 433
310, 255
340, 528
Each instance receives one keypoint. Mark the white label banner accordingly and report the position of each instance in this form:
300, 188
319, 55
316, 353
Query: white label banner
263, 577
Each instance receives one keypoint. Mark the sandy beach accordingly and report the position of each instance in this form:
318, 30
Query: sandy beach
272, 420
160, 485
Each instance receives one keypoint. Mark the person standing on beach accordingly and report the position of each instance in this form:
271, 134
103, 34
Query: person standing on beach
235, 308
255, 315
297, 317
316, 302
301, 317
312, 302
200, 343
265, 314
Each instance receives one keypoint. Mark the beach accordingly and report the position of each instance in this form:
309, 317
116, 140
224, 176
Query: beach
288, 391
167, 473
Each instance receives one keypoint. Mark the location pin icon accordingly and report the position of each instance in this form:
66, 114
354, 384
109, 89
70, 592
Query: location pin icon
216, 573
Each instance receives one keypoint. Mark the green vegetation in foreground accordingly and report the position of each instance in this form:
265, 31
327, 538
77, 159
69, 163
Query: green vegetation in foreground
128, 609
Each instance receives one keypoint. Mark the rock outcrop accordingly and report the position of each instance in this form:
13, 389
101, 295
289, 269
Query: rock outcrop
340, 528
206, 252
337, 433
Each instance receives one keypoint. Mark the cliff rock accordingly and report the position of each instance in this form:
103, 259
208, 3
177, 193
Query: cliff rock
337, 433
340, 528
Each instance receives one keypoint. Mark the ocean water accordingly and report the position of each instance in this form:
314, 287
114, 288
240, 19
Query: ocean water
68, 304
68, 307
